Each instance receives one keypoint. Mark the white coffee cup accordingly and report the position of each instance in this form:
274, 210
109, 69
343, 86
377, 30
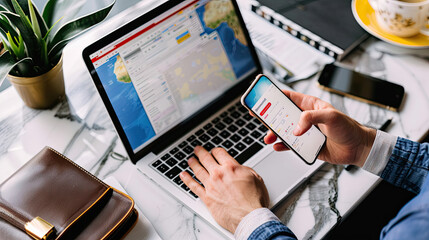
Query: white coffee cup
403, 18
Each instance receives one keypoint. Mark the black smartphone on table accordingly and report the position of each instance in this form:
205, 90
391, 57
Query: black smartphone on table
362, 87
277, 112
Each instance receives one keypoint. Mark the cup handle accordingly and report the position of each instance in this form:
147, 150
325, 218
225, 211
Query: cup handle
425, 28
373, 4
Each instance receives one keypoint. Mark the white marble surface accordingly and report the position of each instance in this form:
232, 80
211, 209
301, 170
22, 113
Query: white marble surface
81, 129
143, 229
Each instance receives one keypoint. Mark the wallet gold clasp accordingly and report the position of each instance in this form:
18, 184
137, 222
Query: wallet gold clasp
39, 229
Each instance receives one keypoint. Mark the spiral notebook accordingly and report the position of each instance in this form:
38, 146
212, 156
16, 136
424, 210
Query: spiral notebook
327, 25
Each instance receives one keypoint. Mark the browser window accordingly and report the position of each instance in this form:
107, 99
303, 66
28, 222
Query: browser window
171, 67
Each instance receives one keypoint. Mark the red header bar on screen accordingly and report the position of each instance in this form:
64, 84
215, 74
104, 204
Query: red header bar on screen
95, 59
265, 109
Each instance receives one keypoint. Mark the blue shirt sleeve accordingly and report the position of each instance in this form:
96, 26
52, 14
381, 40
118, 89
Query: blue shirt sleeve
408, 165
273, 230
412, 222
407, 168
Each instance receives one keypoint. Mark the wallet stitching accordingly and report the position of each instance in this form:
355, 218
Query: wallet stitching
123, 218
6, 204
84, 170
23, 217
89, 174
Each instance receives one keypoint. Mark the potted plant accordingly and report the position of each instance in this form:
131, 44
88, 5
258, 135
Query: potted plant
34, 42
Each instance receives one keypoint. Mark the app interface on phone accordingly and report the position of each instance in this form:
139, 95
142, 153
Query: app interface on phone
282, 116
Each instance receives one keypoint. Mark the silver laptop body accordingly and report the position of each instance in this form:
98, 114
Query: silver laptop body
172, 79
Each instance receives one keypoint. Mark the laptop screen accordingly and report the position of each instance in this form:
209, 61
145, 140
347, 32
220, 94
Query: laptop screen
172, 66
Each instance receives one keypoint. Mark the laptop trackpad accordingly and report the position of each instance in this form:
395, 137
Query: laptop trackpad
281, 171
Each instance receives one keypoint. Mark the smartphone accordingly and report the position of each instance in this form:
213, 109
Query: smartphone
277, 112
362, 87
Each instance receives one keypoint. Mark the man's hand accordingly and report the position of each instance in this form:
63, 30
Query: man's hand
230, 191
348, 142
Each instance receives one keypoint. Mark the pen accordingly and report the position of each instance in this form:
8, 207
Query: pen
382, 128
385, 124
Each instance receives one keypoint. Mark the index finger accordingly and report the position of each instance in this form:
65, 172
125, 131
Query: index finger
223, 157
270, 137
305, 102
205, 158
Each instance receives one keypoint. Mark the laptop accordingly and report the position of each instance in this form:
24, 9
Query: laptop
171, 80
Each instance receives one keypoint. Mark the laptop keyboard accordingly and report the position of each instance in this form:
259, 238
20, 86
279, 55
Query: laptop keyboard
234, 129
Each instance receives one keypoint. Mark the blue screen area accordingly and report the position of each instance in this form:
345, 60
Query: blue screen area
126, 104
238, 54
132, 107
257, 91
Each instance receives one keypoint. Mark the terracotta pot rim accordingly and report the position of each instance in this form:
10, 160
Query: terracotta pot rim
31, 80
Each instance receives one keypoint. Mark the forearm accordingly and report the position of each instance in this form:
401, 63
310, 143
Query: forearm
262, 224
274, 230
408, 165
399, 161
380, 153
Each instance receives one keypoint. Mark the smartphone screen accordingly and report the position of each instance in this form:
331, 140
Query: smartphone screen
350, 83
281, 115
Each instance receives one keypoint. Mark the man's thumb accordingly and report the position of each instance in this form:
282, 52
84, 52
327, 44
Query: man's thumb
309, 118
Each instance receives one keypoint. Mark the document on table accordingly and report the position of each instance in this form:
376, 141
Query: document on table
291, 53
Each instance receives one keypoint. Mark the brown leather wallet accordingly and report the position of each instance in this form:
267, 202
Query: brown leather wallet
51, 197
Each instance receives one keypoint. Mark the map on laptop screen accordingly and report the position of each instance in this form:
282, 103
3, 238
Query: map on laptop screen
171, 67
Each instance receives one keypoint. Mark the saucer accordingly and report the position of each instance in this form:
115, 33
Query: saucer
365, 16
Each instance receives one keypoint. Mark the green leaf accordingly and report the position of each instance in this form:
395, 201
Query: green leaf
75, 27
26, 31
6, 4
44, 54
49, 31
42, 24
9, 4
21, 13
57, 9
3, 8
34, 22
7, 62
11, 42
17, 46
20, 53
7, 27
25, 8
55, 53
3, 38
24, 68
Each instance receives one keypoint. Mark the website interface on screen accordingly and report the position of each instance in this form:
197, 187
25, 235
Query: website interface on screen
171, 67
282, 116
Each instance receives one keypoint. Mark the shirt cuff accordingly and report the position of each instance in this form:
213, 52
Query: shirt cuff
252, 221
380, 153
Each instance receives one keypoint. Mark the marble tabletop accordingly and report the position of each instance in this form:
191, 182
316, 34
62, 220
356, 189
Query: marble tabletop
80, 128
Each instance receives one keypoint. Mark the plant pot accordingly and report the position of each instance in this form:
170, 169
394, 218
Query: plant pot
43, 91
